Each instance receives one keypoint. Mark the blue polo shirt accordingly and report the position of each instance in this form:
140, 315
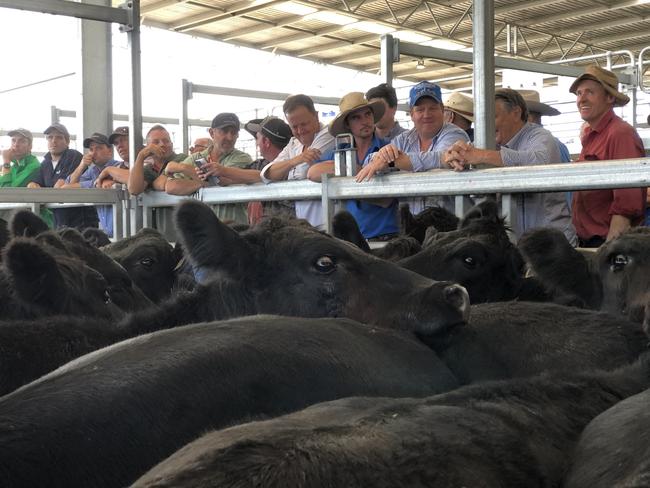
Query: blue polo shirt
87, 180
373, 220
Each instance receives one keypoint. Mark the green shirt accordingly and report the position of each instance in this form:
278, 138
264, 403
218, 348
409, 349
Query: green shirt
227, 212
22, 172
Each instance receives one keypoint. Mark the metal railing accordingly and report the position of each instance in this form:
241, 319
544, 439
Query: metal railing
630, 173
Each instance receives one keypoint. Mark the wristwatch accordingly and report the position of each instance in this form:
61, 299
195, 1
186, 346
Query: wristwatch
6, 165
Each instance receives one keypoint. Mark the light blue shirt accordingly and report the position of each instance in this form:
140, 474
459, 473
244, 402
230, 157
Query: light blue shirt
408, 142
87, 180
530, 146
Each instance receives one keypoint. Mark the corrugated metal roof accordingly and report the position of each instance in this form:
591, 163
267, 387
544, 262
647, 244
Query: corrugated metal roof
546, 30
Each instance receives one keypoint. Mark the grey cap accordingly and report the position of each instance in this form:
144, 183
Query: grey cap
59, 128
22, 132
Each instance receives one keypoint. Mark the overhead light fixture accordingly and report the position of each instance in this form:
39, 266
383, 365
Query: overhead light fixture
420, 64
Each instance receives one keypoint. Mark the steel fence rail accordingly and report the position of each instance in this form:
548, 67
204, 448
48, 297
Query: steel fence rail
630, 173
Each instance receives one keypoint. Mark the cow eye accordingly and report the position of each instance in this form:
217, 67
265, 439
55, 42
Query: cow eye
618, 262
325, 264
146, 262
107, 297
469, 261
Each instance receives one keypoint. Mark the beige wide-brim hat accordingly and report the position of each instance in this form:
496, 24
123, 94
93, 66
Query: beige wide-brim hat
531, 97
461, 104
352, 102
607, 79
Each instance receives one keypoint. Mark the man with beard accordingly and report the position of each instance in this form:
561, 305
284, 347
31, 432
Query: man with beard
377, 218
219, 165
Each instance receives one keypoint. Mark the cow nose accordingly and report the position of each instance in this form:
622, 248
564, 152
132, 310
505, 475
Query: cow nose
457, 297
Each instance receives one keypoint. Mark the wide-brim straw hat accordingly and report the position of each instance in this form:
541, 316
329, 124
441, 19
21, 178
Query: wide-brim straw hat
531, 97
461, 104
607, 79
352, 102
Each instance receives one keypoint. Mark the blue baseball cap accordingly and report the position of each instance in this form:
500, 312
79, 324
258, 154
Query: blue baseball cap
424, 89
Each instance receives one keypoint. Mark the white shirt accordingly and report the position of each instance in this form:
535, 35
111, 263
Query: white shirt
310, 210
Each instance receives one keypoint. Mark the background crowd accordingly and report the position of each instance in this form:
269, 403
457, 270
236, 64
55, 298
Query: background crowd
302, 148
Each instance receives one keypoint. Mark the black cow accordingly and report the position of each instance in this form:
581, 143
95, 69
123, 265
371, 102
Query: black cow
4, 235
96, 237
289, 269
106, 418
478, 256
504, 434
277, 268
514, 339
70, 243
615, 279
614, 449
416, 226
345, 227
150, 261
38, 281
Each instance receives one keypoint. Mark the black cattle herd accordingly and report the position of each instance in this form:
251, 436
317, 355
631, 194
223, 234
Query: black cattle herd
451, 357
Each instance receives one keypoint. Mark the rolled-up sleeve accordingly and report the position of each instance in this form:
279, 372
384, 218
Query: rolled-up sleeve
283, 156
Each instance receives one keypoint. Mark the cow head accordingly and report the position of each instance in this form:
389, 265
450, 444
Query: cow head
478, 256
292, 269
150, 261
623, 266
46, 282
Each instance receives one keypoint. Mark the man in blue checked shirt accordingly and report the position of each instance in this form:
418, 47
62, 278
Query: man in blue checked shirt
98, 157
377, 218
421, 148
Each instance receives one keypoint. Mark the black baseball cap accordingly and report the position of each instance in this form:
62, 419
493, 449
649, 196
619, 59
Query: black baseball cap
225, 119
59, 128
98, 138
272, 127
117, 132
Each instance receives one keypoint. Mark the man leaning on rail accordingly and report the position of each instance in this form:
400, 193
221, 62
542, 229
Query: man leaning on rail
98, 157
20, 167
376, 218
520, 144
602, 215
421, 148
310, 140
59, 163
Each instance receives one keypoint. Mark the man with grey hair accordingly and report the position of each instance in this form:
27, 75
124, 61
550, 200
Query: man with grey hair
520, 144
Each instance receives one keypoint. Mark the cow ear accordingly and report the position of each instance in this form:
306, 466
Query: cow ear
345, 227
208, 242
34, 272
27, 224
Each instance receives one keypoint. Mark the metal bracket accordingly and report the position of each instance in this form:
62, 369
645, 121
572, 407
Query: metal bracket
128, 27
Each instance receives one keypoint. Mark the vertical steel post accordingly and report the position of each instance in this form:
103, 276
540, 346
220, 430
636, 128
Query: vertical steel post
483, 78
135, 107
327, 204
183, 128
389, 55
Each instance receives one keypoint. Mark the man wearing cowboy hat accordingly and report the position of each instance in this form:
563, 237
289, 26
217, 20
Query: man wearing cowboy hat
602, 215
377, 219
459, 110
421, 148
520, 144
